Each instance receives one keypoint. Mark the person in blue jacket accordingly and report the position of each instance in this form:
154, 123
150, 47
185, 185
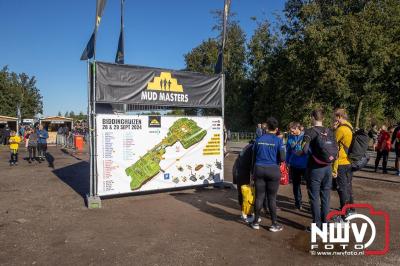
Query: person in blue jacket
297, 164
42, 143
268, 153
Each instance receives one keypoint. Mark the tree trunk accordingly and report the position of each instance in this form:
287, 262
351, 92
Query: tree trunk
360, 103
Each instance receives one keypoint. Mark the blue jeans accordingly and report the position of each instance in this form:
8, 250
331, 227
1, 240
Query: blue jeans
319, 183
296, 174
345, 188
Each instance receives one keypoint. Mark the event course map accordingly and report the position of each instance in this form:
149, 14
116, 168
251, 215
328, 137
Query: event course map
184, 130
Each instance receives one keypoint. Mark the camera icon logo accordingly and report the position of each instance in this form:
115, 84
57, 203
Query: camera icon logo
337, 235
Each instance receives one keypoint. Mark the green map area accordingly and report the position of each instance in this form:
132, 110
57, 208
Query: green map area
184, 130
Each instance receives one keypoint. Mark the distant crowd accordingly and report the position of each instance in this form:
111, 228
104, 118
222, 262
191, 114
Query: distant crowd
65, 136
324, 157
35, 138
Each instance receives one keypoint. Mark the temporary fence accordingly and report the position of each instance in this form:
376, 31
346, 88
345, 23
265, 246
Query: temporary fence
241, 136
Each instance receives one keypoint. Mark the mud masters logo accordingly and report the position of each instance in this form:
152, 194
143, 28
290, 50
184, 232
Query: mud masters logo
164, 88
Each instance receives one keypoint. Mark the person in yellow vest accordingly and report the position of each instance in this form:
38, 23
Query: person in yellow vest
342, 166
14, 145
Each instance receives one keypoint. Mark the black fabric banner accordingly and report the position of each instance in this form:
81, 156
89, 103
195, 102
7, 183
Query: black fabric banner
154, 86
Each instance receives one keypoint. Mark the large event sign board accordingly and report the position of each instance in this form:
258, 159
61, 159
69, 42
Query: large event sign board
158, 87
145, 153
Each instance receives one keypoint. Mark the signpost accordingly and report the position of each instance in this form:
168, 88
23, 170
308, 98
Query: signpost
131, 153
147, 153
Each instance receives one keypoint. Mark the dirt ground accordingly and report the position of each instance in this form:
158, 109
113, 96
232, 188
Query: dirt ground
44, 221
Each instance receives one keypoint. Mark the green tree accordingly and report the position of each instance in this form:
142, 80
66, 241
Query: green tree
339, 54
326, 54
203, 59
19, 89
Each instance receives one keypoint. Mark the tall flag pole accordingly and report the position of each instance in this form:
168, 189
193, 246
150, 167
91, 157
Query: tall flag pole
90, 50
219, 66
120, 56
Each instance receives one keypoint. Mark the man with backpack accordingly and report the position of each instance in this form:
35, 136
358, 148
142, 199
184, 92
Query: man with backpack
296, 164
319, 142
342, 167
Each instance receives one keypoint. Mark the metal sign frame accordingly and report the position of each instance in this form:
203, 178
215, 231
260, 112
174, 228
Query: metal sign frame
93, 199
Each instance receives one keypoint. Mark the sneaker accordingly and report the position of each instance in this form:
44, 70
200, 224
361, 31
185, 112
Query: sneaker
350, 212
16, 163
339, 220
275, 228
250, 219
255, 226
243, 217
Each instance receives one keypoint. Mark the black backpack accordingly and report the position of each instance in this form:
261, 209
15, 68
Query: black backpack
357, 152
326, 148
242, 163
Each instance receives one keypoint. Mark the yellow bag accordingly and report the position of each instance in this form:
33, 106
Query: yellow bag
248, 199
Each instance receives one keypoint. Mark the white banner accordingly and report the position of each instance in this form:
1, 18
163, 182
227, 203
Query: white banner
142, 153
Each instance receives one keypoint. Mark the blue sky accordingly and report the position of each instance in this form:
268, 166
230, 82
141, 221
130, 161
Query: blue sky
45, 38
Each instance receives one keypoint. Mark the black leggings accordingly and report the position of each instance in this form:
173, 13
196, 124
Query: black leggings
42, 148
32, 152
14, 156
267, 184
379, 155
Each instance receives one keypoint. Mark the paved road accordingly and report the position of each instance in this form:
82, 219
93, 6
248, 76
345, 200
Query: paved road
43, 221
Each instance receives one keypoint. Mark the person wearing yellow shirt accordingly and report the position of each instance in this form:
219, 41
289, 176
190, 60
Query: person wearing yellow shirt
342, 166
14, 145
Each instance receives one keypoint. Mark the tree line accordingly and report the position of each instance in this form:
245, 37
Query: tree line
19, 89
71, 114
336, 53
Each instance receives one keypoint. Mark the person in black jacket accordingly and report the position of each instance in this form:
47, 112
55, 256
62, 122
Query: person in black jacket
2, 135
6, 136
396, 144
242, 169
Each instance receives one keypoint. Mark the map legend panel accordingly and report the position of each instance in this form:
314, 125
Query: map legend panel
213, 146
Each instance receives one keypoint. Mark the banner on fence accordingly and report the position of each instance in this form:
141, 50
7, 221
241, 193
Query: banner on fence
153, 86
144, 153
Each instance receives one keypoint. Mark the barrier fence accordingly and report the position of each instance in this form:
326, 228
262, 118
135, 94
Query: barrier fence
241, 136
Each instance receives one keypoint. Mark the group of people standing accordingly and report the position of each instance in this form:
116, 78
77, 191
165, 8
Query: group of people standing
320, 155
35, 139
385, 140
65, 135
